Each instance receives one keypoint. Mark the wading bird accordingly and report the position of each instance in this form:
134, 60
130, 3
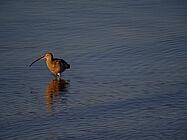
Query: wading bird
55, 65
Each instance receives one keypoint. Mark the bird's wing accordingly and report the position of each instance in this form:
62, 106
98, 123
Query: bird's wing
64, 63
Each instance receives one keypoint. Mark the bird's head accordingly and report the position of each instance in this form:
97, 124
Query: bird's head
47, 56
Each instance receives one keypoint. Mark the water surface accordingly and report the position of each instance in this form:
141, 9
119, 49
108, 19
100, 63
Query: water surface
128, 69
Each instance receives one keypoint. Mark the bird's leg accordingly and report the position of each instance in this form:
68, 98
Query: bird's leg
55, 75
59, 75
59, 78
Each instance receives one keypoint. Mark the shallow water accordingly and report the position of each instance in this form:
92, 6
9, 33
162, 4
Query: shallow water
128, 69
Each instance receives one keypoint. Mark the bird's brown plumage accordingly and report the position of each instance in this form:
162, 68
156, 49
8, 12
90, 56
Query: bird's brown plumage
55, 65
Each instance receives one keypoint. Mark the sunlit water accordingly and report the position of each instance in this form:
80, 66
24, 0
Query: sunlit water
128, 70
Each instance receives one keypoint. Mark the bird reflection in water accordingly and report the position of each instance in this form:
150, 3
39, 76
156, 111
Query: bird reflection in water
55, 89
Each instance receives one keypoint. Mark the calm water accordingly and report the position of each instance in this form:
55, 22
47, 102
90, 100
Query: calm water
128, 76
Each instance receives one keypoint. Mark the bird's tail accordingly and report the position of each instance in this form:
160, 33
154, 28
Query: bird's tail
68, 66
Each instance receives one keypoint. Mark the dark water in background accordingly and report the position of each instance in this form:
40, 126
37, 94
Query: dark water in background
128, 69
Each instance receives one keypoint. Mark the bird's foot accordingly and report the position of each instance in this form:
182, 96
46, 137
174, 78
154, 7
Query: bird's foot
59, 75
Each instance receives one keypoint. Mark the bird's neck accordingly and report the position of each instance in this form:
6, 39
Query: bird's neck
49, 59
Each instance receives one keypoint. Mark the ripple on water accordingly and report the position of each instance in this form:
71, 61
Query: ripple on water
127, 76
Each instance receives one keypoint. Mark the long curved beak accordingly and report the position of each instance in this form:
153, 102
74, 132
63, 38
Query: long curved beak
37, 60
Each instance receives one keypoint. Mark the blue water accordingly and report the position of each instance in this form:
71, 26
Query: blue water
128, 72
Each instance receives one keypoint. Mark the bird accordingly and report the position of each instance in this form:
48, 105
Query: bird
55, 65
